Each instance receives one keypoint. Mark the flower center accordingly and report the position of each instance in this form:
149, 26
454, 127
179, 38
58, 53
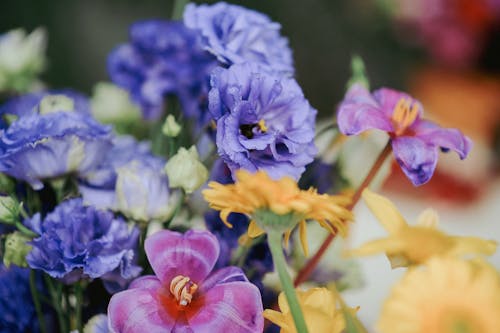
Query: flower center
183, 289
404, 115
248, 129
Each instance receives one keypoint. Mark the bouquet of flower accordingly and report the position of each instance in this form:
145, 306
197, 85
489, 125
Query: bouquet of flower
180, 197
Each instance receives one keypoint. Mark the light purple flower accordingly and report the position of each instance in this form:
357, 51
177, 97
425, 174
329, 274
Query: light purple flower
415, 141
263, 120
236, 34
222, 301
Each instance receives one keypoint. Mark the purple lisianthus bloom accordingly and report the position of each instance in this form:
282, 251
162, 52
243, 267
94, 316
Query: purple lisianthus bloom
17, 312
78, 241
264, 121
129, 180
52, 140
415, 141
185, 296
163, 58
236, 34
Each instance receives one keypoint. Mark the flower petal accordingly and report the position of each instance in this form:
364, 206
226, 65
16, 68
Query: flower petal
446, 138
149, 282
385, 211
417, 159
137, 310
192, 254
223, 275
234, 307
360, 112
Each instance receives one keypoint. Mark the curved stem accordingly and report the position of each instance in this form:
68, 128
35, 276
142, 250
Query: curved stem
274, 240
306, 271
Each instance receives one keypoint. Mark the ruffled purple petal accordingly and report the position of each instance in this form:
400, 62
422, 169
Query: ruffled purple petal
234, 307
445, 138
137, 310
417, 158
223, 275
192, 254
360, 112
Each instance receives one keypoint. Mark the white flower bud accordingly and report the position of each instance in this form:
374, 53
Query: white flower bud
185, 170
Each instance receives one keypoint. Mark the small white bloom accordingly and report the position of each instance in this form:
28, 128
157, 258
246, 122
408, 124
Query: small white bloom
185, 170
171, 128
111, 105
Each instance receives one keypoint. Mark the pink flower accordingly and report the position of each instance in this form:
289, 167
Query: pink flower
184, 296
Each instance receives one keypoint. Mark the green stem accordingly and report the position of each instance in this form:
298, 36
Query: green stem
25, 230
274, 239
79, 304
56, 302
178, 9
36, 302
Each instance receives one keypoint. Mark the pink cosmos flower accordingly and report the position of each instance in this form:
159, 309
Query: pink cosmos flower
184, 296
415, 141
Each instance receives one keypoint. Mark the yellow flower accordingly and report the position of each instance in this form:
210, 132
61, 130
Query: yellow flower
449, 295
407, 245
264, 199
319, 306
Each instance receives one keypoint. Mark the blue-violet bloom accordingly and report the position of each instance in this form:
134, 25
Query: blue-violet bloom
78, 241
163, 58
52, 141
130, 180
236, 34
185, 295
415, 141
263, 120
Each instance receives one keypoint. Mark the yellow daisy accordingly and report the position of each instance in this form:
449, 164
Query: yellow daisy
319, 306
278, 204
449, 295
406, 245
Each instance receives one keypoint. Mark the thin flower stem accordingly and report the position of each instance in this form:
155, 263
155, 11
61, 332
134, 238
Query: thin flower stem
78, 306
178, 9
274, 239
56, 302
36, 302
306, 271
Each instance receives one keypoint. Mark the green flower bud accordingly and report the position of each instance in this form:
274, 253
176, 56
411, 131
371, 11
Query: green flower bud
16, 249
9, 210
185, 170
111, 105
171, 128
56, 103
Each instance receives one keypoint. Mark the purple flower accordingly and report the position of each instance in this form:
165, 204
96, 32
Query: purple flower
235, 35
129, 180
184, 296
51, 141
82, 242
263, 121
17, 312
415, 141
162, 58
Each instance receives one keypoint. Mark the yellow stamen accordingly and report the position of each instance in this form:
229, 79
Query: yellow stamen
183, 289
404, 115
262, 126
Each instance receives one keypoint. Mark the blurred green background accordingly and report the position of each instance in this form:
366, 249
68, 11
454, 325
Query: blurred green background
323, 34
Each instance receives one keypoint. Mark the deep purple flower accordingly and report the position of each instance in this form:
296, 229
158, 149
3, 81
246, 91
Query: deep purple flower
79, 241
129, 180
263, 121
43, 143
185, 296
17, 312
163, 58
236, 34
415, 141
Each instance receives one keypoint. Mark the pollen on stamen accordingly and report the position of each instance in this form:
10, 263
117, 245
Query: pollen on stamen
183, 289
404, 115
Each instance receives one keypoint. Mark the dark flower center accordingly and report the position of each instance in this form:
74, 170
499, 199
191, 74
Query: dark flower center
248, 129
